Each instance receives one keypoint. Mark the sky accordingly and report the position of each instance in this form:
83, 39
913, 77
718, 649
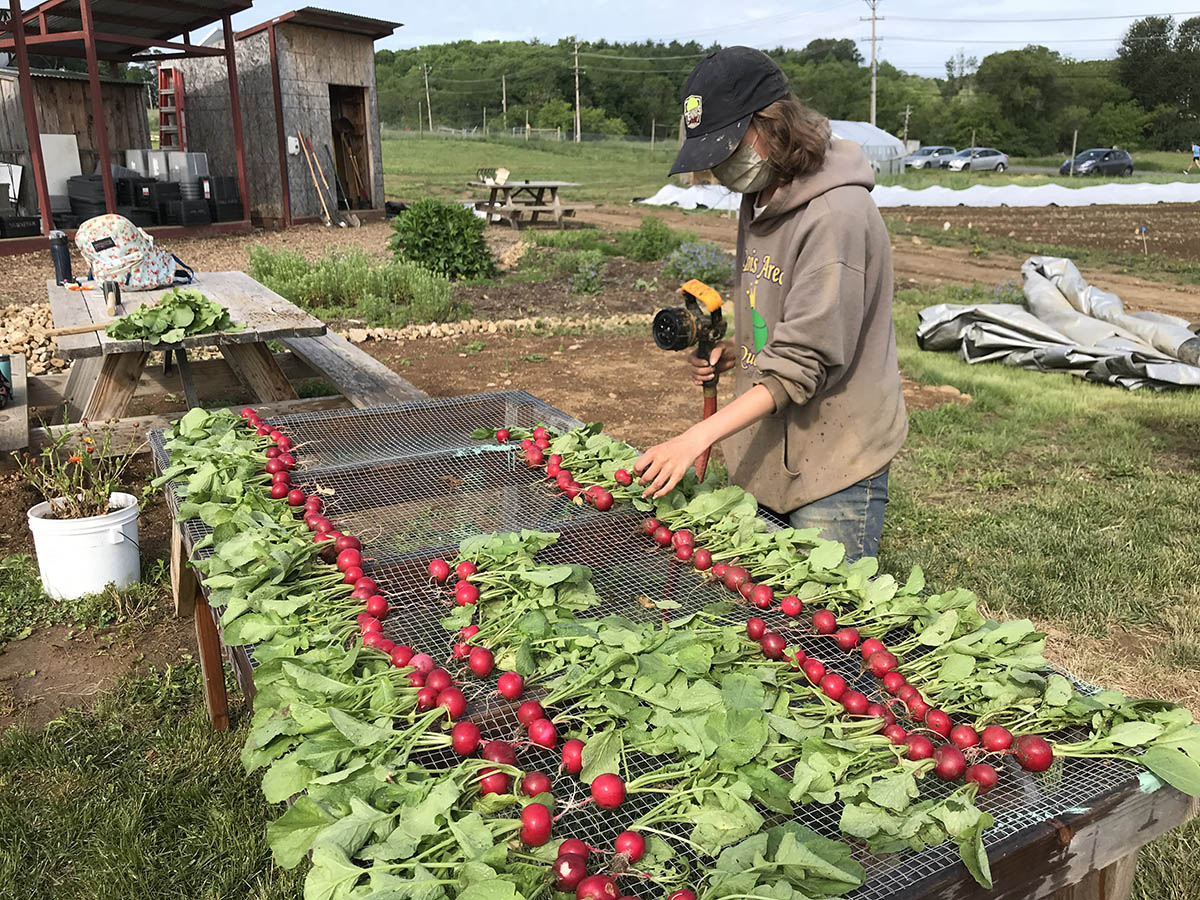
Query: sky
917, 35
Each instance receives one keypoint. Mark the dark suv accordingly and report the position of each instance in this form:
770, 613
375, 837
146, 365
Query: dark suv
1104, 161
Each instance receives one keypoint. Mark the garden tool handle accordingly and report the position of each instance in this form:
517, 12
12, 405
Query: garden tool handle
710, 407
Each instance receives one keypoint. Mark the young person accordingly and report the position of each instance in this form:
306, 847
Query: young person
819, 413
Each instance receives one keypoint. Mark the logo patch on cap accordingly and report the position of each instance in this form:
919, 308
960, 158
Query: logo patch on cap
692, 110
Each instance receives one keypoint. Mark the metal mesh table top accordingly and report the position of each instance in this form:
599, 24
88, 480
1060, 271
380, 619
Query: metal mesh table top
411, 484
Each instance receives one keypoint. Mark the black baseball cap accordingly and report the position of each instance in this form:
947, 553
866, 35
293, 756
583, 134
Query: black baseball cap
721, 95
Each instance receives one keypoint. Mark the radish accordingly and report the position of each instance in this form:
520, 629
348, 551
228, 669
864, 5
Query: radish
373, 639
881, 663
295, 497
541, 443
772, 644
893, 682
543, 733
534, 457
962, 736
847, 638
535, 824
938, 722
426, 699
274, 466
683, 536
631, 844
602, 500
247, 413
871, 646
761, 596
553, 469
983, 775
906, 692
573, 490
275, 434
494, 782
387, 646
465, 569
289, 462
510, 685
895, 733
322, 525
855, 703
554, 459
798, 658
311, 519
1033, 753
439, 570
597, 887
284, 443
949, 762
608, 791
422, 662
574, 846
364, 588
720, 569
401, 654
452, 700
370, 624
919, 747
314, 502
996, 739
464, 738
735, 577
262, 430
755, 628
572, 756
438, 679
662, 535
683, 894
481, 662
535, 783
499, 752
824, 622
281, 478
502, 435
791, 606
540, 433
569, 869
563, 478
621, 476
279, 491
465, 593
814, 670
745, 588
352, 575
349, 558
917, 709
377, 606
530, 711
683, 552
416, 679
702, 559
348, 542
462, 650
469, 632
362, 617
833, 686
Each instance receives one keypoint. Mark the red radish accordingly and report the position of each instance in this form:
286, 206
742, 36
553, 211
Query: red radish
573, 490
608, 791
465, 592
295, 497
833, 686
761, 596
755, 628
572, 756
426, 699
465, 569
493, 782
573, 846
273, 466
469, 632
907, 692
895, 733
311, 519
552, 469
745, 588
543, 733
683, 894
464, 738
702, 559
348, 542
499, 752
352, 575
453, 701
917, 709
373, 639
631, 844
387, 646
510, 685
772, 644
881, 663
720, 569
438, 679
289, 461
824, 621
683, 536
938, 722
1033, 753
481, 662
462, 650
263, 430
534, 457
279, 491
919, 747
735, 577
855, 703
324, 526
983, 775
502, 435
534, 783
422, 662
602, 500
996, 738
563, 478
401, 654
893, 682
662, 535
281, 478
364, 588
530, 711
535, 824
621, 476
963, 736
870, 646
554, 459
541, 443
416, 679
275, 434
814, 670
798, 658
683, 552
527, 443
362, 617
284, 443
847, 638
791, 606
876, 710
540, 433
597, 887
569, 869
247, 413
439, 570
314, 502
949, 762
377, 606
370, 624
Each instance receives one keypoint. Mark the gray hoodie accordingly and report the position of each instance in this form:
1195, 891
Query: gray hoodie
814, 326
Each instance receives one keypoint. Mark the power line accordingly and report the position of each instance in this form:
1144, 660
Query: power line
1034, 41
640, 58
1042, 20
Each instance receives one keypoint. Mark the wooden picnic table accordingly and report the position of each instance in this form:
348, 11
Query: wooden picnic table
512, 200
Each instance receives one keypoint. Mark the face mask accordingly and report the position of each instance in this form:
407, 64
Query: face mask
745, 172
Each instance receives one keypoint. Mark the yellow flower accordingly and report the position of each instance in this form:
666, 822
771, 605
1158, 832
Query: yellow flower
88, 440
75, 459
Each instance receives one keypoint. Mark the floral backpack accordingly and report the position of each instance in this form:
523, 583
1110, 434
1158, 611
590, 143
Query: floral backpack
117, 250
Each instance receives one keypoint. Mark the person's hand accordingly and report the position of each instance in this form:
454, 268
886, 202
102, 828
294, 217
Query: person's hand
663, 465
722, 359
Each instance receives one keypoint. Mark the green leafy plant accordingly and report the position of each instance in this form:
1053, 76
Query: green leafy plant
699, 259
180, 313
444, 237
651, 240
75, 473
584, 270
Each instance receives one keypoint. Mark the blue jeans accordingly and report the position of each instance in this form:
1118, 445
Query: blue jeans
853, 516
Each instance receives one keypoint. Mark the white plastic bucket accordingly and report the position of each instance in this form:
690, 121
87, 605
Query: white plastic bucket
83, 556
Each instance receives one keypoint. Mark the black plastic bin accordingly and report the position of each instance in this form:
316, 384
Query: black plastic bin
225, 211
187, 212
20, 226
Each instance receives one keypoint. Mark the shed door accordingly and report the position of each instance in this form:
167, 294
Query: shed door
352, 150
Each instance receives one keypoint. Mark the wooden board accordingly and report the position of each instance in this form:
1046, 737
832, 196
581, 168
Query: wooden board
119, 376
14, 418
256, 368
265, 315
363, 379
81, 380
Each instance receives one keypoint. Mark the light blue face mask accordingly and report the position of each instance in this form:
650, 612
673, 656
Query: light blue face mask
745, 172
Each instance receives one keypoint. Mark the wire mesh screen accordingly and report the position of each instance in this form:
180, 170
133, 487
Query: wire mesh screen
411, 484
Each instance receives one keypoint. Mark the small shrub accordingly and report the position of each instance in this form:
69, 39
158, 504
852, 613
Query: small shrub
576, 239
585, 270
699, 259
444, 237
651, 240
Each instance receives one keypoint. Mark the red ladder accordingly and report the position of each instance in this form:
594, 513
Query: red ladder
171, 132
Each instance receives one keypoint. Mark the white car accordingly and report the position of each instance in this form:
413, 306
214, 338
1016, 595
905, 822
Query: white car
928, 157
976, 159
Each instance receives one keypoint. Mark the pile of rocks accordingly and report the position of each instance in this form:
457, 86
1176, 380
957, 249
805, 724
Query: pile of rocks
540, 324
23, 330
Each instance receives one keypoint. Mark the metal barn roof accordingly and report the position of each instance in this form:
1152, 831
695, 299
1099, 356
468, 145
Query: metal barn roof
328, 19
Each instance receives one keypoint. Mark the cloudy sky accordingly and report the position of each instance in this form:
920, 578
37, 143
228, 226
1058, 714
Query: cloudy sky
917, 35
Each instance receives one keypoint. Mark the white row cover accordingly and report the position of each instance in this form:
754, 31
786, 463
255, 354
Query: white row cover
714, 196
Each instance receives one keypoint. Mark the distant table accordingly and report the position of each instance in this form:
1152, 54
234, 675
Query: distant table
512, 200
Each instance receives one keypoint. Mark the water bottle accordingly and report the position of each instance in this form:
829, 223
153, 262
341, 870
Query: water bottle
60, 253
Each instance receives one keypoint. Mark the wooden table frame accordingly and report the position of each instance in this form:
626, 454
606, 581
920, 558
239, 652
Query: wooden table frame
516, 198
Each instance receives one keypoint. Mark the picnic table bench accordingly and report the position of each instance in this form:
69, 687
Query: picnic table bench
513, 200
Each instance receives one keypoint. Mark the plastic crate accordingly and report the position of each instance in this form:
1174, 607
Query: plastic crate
154, 194
225, 211
85, 188
20, 226
87, 209
142, 218
187, 212
185, 166
221, 188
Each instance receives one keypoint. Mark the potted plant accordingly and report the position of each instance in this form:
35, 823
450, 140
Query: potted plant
85, 532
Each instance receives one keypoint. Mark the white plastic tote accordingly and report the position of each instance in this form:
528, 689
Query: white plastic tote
83, 556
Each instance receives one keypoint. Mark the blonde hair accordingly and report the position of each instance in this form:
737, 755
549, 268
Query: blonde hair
794, 136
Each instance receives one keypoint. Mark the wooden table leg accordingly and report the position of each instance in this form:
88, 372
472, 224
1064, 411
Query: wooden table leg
256, 368
491, 204
119, 377
558, 213
81, 381
185, 377
537, 201
183, 580
1114, 882
211, 664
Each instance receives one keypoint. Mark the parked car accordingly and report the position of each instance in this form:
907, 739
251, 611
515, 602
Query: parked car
1103, 161
977, 159
928, 157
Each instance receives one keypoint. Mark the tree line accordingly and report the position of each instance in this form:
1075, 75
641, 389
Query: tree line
1028, 102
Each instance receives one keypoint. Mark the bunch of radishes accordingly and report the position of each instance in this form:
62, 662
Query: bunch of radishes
570, 867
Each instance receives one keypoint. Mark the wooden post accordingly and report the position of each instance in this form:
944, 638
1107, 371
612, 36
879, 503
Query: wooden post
1074, 146
211, 665
98, 125
280, 131
183, 579
29, 107
235, 107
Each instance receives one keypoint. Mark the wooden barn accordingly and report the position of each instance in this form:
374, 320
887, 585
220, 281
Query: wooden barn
310, 71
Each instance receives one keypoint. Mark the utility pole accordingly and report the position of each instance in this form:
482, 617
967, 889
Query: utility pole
485, 121
651, 134
873, 4
1074, 147
577, 135
504, 99
428, 109
420, 118
907, 113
